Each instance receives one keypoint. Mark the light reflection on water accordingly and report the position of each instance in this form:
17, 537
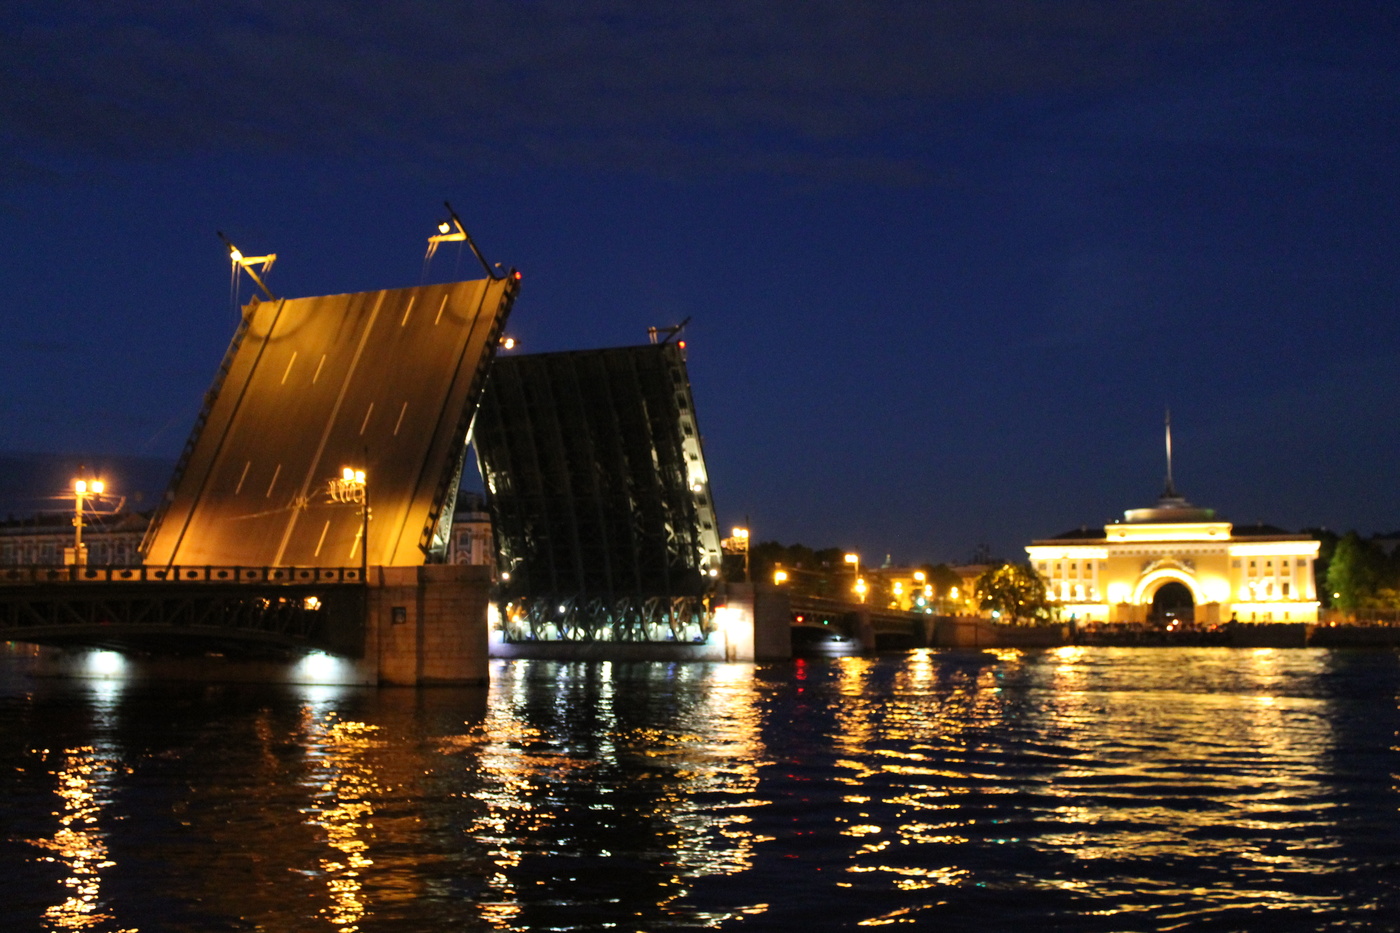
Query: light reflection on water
1076, 789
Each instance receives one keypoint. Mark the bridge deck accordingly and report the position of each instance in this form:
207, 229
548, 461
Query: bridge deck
382, 381
236, 610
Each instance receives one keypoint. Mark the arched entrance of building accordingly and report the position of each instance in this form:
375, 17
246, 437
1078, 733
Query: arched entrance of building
1173, 601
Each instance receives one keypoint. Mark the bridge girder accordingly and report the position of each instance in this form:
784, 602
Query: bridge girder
188, 618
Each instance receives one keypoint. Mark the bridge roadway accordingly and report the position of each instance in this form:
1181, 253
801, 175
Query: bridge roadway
386, 382
274, 612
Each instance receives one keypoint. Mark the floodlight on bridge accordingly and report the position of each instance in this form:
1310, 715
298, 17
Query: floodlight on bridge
246, 263
453, 232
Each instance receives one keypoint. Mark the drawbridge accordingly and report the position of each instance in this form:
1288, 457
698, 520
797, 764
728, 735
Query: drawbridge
381, 384
599, 496
333, 440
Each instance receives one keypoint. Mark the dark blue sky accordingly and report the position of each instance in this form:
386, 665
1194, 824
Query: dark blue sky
946, 263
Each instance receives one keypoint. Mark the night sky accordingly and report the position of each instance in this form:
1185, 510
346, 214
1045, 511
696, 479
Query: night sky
946, 264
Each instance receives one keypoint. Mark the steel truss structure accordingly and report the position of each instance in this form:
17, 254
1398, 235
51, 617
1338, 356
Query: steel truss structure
599, 497
625, 619
253, 619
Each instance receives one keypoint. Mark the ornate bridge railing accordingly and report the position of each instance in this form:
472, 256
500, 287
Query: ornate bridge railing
203, 574
264, 611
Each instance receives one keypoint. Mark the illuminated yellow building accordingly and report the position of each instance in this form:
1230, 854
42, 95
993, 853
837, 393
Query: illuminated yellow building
1177, 562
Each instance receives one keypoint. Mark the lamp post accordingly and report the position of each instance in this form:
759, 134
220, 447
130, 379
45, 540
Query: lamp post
854, 560
353, 488
81, 490
740, 538
355, 479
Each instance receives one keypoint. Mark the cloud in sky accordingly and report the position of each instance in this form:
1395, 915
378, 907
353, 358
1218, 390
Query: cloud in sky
814, 87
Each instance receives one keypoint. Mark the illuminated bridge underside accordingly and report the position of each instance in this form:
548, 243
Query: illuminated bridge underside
384, 381
599, 497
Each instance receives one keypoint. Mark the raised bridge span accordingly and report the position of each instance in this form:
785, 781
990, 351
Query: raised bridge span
383, 382
330, 449
261, 546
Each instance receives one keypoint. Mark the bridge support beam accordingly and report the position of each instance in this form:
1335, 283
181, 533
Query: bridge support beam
772, 623
427, 625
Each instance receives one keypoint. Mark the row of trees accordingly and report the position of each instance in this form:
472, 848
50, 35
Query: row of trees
825, 573
1015, 591
1355, 574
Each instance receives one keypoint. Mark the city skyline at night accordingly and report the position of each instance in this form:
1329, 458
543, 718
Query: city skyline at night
944, 268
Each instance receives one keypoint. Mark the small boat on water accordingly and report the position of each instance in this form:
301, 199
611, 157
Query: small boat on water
822, 641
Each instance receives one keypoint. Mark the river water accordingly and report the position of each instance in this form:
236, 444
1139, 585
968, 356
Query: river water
1073, 789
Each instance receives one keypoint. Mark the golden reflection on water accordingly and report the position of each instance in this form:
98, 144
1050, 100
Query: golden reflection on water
1137, 772
78, 844
343, 809
700, 771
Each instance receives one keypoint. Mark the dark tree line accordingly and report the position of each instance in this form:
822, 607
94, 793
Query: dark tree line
824, 572
1355, 574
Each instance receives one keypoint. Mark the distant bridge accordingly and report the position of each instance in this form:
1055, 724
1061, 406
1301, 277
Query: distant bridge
871, 627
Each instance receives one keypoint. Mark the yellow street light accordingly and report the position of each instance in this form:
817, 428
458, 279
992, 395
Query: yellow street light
739, 541
82, 490
861, 588
353, 488
780, 577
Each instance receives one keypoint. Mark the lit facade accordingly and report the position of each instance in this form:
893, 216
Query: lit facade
46, 540
1117, 573
471, 533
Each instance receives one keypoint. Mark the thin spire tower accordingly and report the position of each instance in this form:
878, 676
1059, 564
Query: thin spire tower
1170, 492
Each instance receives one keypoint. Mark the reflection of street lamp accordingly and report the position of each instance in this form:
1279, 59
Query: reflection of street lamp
81, 490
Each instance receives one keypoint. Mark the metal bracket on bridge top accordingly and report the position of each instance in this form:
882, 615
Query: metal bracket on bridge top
446, 234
